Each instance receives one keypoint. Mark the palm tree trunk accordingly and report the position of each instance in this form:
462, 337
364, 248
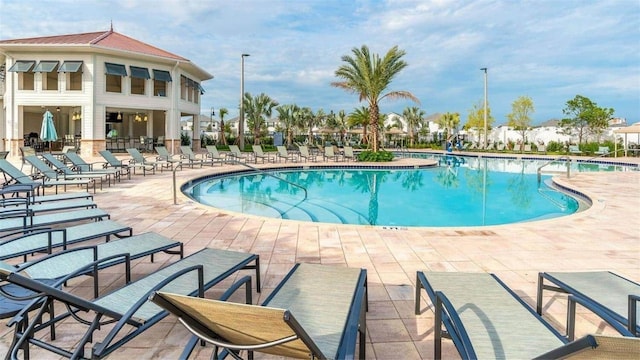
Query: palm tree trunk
373, 122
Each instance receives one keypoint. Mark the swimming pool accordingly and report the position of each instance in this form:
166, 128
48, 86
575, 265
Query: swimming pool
462, 191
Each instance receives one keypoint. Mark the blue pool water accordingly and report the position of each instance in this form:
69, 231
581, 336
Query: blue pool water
460, 192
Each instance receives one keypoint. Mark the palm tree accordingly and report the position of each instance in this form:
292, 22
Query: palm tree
286, 114
256, 108
360, 117
306, 120
369, 76
448, 122
415, 120
221, 137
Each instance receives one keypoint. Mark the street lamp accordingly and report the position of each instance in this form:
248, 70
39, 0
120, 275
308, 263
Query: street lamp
241, 120
485, 106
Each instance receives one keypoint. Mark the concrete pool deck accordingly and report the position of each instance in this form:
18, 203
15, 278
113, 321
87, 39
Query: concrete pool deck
604, 237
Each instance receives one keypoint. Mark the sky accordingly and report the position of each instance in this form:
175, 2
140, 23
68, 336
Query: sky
547, 50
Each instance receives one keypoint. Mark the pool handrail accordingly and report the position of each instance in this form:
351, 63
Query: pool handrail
274, 176
568, 161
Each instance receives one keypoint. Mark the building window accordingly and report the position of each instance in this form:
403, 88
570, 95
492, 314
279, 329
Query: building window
49, 74
26, 76
73, 74
114, 74
160, 80
139, 77
183, 87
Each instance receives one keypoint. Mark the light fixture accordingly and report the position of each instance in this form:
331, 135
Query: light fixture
137, 118
145, 117
58, 109
119, 117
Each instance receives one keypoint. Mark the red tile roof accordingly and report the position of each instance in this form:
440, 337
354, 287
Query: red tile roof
105, 39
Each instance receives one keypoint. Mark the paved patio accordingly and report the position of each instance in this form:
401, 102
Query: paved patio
605, 237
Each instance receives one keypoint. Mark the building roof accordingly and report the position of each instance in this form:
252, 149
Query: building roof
104, 39
100, 41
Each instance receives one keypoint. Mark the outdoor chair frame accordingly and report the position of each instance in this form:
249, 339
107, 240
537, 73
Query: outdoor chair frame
127, 308
483, 317
611, 297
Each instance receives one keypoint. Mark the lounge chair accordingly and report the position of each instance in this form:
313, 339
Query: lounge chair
608, 295
69, 172
82, 166
542, 149
18, 177
330, 153
214, 155
500, 147
305, 154
23, 203
48, 174
26, 242
484, 318
138, 159
575, 149
316, 312
259, 154
602, 151
51, 268
163, 155
191, 157
348, 154
113, 162
236, 154
284, 154
30, 192
24, 152
126, 308
527, 148
24, 218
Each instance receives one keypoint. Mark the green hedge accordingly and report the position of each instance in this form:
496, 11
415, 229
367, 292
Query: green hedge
380, 156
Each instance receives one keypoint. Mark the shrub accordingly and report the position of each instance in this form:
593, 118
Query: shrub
185, 140
380, 156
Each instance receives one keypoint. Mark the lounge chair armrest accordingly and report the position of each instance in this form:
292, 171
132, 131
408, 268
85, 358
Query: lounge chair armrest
12, 235
14, 201
100, 347
245, 280
633, 314
594, 308
446, 314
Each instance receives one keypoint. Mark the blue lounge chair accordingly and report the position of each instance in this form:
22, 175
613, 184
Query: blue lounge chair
610, 296
127, 308
316, 312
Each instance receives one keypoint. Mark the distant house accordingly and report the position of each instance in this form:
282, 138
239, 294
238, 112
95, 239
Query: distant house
92, 83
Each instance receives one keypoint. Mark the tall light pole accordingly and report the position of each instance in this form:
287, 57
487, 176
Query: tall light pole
485, 106
241, 119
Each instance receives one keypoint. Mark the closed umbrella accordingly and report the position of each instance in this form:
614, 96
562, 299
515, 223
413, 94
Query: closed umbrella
48, 130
